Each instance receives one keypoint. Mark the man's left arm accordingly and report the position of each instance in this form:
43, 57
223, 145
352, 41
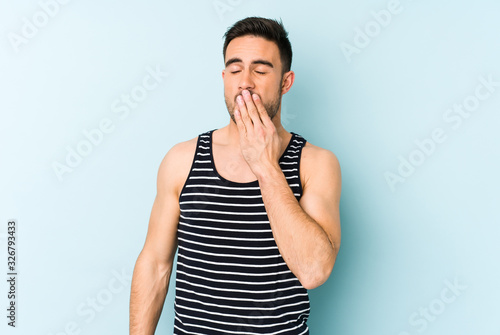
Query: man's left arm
307, 232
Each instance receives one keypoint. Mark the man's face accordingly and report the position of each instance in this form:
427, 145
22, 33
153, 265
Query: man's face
253, 64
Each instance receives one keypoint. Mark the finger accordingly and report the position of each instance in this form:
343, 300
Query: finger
266, 120
239, 122
244, 113
251, 108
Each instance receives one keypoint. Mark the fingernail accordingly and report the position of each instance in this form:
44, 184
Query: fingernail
255, 96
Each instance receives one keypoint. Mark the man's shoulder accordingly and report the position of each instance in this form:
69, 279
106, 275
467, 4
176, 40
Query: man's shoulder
315, 154
184, 150
317, 161
176, 164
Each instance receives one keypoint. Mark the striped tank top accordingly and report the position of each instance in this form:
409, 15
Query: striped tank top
230, 276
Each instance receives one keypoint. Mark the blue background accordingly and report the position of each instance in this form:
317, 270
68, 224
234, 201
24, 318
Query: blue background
402, 245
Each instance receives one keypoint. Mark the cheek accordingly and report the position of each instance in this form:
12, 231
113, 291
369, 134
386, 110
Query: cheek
230, 91
228, 86
270, 93
229, 95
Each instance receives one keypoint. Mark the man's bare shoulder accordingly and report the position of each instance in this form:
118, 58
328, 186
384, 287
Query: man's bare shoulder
181, 150
175, 166
312, 155
319, 162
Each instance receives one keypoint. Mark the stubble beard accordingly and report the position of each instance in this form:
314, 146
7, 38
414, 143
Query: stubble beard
272, 107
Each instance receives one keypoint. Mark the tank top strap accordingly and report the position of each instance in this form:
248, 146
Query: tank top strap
203, 145
290, 163
201, 167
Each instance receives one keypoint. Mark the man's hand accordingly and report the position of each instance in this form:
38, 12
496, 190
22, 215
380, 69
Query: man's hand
259, 140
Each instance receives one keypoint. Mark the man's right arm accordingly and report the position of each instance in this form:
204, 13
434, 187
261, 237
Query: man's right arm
153, 267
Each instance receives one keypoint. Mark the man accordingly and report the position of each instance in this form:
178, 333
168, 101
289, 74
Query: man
253, 208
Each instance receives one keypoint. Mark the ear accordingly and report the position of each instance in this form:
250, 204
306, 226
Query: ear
223, 73
288, 80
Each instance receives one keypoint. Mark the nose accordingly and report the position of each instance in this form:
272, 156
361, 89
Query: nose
246, 82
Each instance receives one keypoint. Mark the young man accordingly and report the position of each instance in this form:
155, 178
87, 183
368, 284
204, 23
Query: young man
253, 208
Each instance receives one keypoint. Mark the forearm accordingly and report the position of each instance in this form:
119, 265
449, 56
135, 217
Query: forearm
148, 291
302, 242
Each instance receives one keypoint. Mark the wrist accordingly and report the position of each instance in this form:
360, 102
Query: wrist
269, 171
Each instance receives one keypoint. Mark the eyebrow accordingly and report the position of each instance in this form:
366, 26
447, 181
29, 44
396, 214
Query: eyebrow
257, 61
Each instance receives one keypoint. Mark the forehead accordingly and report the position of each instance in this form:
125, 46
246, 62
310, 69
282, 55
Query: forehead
249, 47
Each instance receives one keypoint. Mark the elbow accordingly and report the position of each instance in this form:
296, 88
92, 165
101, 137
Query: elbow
317, 274
315, 278
311, 284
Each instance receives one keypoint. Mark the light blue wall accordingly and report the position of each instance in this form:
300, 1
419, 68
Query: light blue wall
368, 99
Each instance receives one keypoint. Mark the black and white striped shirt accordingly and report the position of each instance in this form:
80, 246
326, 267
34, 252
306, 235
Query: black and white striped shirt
231, 278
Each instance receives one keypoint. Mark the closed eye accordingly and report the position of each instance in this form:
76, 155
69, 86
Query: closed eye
233, 72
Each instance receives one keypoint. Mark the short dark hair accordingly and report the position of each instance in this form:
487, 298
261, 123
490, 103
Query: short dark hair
271, 30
